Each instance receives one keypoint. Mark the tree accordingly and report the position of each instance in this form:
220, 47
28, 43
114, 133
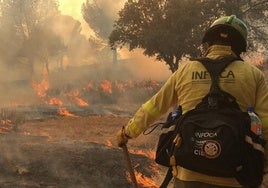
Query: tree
100, 17
26, 19
10, 40
165, 29
170, 29
255, 15
42, 45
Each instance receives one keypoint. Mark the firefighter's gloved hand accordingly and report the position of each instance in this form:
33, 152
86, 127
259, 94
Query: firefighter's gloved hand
121, 137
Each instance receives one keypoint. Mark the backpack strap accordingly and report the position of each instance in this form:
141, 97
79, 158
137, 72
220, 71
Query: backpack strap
215, 67
167, 178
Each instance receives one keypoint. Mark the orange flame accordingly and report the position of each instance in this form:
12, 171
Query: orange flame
149, 154
65, 112
55, 101
74, 95
120, 86
142, 180
109, 143
106, 86
80, 101
88, 86
41, 90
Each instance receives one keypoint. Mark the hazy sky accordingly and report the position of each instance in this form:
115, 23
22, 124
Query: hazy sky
73, 8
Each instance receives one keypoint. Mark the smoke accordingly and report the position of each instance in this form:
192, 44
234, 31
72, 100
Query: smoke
140, 66
112, 7
73, 8
79, 64
143, 67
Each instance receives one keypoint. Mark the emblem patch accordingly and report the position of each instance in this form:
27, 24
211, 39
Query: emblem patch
211, 149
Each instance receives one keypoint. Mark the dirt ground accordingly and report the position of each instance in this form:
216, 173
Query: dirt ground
74, 152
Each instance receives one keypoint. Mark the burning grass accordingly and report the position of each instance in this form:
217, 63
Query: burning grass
56, 141
101, 92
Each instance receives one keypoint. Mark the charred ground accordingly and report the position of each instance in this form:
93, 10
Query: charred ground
73, 152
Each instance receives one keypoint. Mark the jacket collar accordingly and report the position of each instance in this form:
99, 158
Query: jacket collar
216, 51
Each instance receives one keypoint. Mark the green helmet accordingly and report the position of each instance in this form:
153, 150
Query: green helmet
232, 25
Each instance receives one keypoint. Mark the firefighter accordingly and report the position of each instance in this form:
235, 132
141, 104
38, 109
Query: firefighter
226, 36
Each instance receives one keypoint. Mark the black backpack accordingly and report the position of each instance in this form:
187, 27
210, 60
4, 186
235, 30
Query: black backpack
215, 138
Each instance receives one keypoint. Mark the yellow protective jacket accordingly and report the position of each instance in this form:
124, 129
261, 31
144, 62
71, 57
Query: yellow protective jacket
186, 87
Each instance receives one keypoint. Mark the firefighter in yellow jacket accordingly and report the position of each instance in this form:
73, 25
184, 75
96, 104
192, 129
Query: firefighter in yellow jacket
226, 36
